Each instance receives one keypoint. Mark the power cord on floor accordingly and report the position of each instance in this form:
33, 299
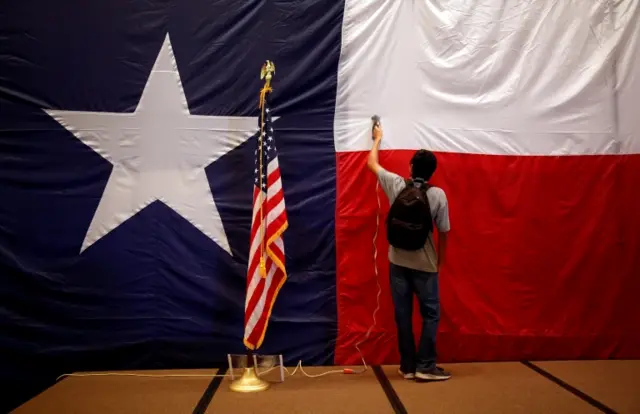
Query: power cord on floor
131, 374
299, 366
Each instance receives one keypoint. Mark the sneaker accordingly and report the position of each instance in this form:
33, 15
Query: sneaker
436, 374
408, 375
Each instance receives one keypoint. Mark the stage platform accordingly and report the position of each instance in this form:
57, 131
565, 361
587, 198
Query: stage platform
579, 387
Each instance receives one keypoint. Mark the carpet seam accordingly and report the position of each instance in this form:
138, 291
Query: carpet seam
568, 387
390, 392
208, 394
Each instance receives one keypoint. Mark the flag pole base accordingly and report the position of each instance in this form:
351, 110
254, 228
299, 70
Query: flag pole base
249, 382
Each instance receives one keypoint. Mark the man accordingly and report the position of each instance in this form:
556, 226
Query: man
416, 271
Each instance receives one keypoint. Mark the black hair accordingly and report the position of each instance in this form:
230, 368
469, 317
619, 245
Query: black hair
423, 164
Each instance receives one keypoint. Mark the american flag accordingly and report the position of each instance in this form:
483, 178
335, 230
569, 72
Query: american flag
268, 223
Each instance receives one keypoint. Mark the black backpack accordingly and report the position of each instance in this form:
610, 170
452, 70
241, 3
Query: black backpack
409, 221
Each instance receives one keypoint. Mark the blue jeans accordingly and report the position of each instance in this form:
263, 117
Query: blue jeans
404, 283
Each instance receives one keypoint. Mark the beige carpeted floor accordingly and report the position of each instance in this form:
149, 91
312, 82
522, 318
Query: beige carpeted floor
122, 394
613, 383
475, 388
488, 388
298, 394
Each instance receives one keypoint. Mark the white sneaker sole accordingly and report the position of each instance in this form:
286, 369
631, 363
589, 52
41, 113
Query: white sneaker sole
406, 376
431, 377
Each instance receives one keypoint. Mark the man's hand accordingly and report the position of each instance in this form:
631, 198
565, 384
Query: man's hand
377, 132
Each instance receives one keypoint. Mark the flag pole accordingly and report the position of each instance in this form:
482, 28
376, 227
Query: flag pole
250, 381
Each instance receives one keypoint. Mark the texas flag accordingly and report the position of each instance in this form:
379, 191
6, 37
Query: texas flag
532, 111
127, 139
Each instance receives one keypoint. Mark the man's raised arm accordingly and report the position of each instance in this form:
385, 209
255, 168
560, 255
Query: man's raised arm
372, 161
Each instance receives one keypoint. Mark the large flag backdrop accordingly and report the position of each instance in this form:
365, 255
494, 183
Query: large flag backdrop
127, 136
532, 109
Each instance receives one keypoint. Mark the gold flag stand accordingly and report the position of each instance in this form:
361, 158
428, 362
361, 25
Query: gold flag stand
250, 381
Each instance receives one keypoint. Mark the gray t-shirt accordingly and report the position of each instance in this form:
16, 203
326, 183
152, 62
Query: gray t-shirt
425, 259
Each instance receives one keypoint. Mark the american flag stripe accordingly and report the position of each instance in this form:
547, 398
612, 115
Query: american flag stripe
254, 271
274, 256
275, 193
273, 223
278, 248
267, 226
274, 204
256, 306
259, 317
259, 309
271, 204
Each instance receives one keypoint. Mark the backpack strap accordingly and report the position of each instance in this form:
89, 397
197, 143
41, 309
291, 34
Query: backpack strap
426, 186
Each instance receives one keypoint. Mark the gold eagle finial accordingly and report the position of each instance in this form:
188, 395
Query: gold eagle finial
267, 71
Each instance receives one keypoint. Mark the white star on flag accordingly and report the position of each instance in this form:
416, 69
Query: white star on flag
158, 152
